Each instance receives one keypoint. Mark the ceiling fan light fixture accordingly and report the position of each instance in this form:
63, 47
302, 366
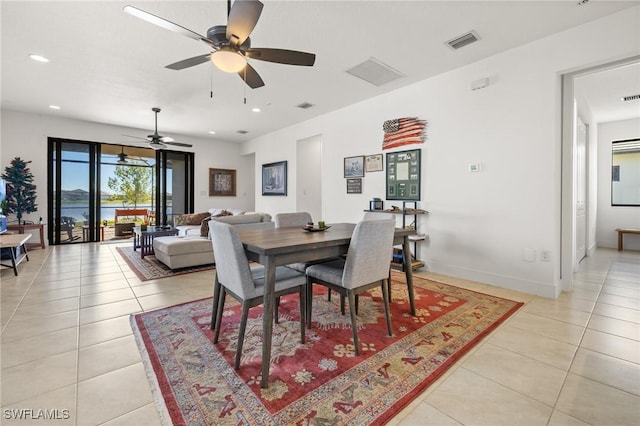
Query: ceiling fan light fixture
228, 60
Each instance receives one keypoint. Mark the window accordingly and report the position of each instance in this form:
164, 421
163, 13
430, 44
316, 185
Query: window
625, 172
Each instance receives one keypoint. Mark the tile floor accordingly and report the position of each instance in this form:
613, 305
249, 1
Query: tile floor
67, 346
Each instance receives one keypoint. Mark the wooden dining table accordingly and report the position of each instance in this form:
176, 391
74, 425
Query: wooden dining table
282, 246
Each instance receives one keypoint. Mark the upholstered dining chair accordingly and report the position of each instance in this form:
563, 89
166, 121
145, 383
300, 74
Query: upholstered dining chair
284, 220
299, 219
366, 266
235, 277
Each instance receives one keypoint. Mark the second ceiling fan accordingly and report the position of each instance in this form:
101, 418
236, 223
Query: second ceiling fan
231, 43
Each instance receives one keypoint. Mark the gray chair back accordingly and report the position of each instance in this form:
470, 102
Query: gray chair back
378, 216
284, 220
232, 265
370, 253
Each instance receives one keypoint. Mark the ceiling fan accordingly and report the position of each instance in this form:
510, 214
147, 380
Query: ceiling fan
231, 43
122, 157
156, 141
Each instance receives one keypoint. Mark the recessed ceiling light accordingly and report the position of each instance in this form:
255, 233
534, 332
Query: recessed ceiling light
255, 109
212, 132
38, 58
54, 107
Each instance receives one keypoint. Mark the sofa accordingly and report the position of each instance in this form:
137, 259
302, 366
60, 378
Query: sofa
192, 246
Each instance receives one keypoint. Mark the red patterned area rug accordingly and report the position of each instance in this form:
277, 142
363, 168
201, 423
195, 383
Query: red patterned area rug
151, 268
320, 382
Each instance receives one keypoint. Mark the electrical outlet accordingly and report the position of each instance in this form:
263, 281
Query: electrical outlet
545, 256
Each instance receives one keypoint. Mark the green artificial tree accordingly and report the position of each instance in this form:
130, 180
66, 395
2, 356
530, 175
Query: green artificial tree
21, 192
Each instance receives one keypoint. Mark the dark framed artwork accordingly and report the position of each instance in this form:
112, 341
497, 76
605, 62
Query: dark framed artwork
403, 175
373, 163
354, 166
274, 178
222, 183
354, 186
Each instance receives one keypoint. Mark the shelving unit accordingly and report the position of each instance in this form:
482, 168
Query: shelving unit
415, 212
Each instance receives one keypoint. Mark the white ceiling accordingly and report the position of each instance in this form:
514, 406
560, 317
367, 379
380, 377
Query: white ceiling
603, 92
107, 66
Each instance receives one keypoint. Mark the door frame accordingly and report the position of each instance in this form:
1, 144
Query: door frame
567, 152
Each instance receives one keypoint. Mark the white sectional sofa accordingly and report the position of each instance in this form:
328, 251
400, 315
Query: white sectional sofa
192, 246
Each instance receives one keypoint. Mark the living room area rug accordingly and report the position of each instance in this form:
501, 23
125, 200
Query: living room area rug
321, 381
151, 268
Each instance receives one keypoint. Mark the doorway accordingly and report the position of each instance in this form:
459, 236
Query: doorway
309, 177
88, 181
570, 175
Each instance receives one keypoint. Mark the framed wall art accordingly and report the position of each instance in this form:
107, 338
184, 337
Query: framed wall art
373, 163
222, 183
354, 186
354, 166
403, 175
274, 178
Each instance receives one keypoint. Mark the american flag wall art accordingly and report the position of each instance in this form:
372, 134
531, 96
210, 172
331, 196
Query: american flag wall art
403, 131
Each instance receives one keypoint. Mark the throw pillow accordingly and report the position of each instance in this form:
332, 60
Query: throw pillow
190, 219
204, 227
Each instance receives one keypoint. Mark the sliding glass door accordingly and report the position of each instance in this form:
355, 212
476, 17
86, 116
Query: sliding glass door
89, 180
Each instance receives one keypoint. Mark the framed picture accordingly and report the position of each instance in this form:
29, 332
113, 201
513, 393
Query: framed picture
354, 186
403, 175
354, 166
373, 163
222, 183
274, 178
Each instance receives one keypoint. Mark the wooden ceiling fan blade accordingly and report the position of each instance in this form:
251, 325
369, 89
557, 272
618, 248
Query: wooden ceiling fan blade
137, 137
243, 17
163, 23
189, 62
186, 145
282, 56
251, 77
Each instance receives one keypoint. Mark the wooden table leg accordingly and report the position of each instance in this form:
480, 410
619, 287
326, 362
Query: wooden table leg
620, 233
408, 271
267, 318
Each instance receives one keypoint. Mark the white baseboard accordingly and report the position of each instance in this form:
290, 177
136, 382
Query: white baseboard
537, 288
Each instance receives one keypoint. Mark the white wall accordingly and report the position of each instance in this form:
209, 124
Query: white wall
25, 136
480, 223
612, 217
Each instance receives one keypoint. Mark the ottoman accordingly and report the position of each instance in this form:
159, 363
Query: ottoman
183, 251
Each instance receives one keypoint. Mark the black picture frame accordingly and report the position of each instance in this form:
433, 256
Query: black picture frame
403, 175
274, 178
354, 186
354, 166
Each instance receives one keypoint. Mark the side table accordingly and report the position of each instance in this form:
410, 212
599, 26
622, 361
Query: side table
21, 228
13, 247
144, 239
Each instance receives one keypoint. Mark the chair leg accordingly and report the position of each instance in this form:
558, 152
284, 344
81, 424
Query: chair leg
342, 304
216, 297
243, 327
354, 325
303, 301
309, 297
276, 312
223, 295
385, 300
328, 295
389, 285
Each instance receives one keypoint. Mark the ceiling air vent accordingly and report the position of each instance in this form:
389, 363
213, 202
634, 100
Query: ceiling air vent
631, 98
463, 40
375, 72
305, 105
243, 132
